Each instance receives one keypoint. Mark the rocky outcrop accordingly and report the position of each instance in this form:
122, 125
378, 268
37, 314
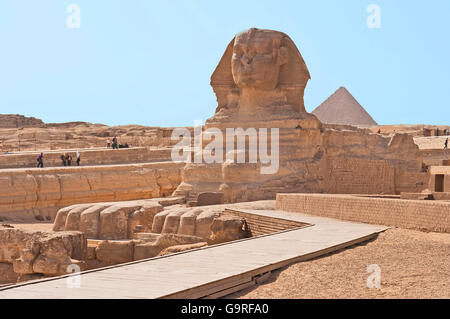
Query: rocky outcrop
227, 228
41, 252
17, 121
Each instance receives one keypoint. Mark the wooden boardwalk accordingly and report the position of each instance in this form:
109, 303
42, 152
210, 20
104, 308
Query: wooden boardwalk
208, 272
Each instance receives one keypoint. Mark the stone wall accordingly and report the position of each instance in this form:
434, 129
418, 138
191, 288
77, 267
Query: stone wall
439, 170
88, 157
39, 193
435, 156
413, 214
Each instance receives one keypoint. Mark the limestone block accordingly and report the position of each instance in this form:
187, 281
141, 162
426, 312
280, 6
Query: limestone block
51, 266
209, 198
115, 252
91, 252
144, 217
146, 250
73, 218
61, 217
24, 264
114, 222
172, 221
181, 248
167, 240
158, 221
90, 220
227, 228
188, 221
203, 223
7, 274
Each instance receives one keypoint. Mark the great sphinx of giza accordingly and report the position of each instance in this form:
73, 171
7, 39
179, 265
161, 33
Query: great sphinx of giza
259, 83
261, 78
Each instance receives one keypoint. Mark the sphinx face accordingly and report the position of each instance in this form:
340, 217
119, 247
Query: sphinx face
257, 58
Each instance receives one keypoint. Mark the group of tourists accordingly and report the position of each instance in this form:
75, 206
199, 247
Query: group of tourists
115, 144
67, 159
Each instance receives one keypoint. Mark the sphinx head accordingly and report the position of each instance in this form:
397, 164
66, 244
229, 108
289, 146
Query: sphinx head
257, 58
260, 59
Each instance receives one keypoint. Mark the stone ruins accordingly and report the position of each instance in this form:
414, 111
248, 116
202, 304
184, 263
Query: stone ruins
131, 204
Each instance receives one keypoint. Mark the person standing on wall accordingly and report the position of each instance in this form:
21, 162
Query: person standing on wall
69, 160
40, 161
446, 144
114, 143
78, 158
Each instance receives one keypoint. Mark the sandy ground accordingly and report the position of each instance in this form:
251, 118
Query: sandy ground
37, 226
413, 265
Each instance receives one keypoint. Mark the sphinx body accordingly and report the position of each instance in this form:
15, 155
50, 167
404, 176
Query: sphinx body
259, 83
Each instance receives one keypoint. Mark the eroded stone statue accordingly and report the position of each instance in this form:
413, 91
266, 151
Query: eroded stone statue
261, 77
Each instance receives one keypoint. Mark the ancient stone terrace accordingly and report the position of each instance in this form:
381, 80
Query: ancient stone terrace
35, 193
89, 156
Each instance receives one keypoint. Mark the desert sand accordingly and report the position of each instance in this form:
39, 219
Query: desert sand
413, 265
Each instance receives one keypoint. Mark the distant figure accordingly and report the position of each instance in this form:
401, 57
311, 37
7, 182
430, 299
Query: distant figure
379, 131
63, 159
446, 144
78, 158
69, 159
114, 143
40, 161
108, 143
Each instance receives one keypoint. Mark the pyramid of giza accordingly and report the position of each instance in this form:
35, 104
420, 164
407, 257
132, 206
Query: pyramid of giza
342, 108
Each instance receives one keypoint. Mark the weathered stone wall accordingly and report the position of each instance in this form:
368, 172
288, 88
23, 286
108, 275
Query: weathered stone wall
39, 193
41, 252
435, 157
413, 214
317, 161
88, 157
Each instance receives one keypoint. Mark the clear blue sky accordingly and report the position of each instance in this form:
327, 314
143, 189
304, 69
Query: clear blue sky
149, 62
